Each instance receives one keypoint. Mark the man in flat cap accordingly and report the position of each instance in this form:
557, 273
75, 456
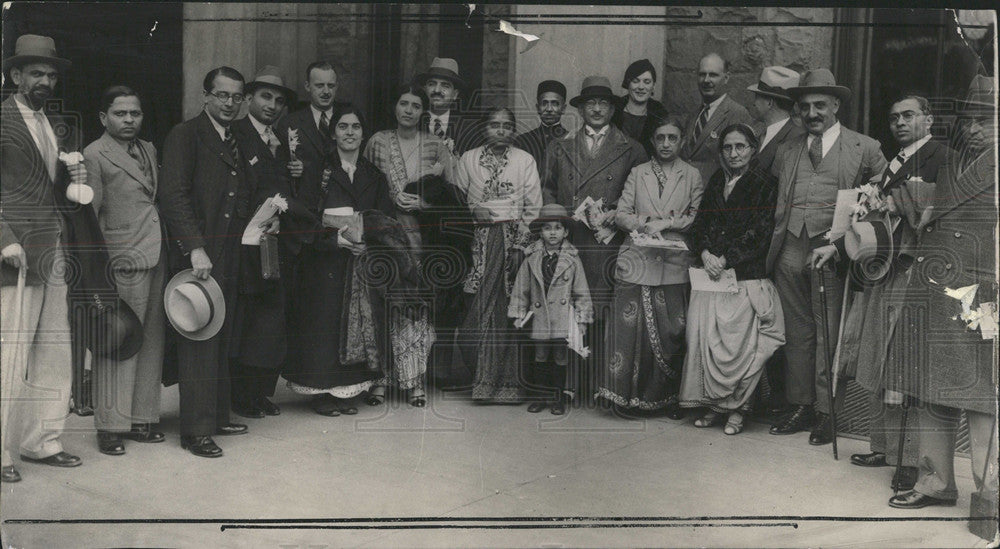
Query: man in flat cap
36, 359
550, 102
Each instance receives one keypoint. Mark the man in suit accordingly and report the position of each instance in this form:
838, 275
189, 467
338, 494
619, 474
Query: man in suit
261, 338
551, 104
772, 109
718, 110
811, 170
122, 170
444, 86
37, 368
595, 162
204, 195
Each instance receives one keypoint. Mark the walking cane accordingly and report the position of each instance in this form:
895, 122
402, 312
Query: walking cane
16, 338
827, 357
899, 449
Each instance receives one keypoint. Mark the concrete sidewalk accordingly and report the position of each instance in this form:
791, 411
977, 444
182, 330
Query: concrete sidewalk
586, 479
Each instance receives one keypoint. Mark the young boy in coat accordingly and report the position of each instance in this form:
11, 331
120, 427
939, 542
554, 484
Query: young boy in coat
549, 285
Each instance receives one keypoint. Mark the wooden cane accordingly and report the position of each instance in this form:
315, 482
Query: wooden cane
827, 357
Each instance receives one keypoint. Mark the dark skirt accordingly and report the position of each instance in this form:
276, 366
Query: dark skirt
646, 345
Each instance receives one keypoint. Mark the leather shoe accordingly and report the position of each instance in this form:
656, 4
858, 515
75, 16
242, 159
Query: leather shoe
247, 410
821, 433
9, 474
201, 446
905, 478
269, 408
142, 432
675, 412
874, 459
62, 459
110, 443
325, 405
536, 407
916, 500
798, 420
231, 429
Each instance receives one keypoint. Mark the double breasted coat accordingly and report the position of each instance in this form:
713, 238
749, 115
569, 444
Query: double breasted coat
551, 306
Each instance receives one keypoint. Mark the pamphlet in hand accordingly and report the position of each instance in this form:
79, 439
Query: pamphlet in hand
657, 241
270, 208
847, 199
701, 282
574, 340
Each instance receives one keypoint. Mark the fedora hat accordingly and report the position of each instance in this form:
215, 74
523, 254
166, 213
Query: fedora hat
271, 77
550, 212
982, 96
116, 332
442, 67
870, 244
31, 48
593, 86
775, 82
819, 81
195, 308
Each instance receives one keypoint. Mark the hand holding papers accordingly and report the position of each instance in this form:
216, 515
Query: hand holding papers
575, 338
657, 241
700, 281
268, 210
598, 219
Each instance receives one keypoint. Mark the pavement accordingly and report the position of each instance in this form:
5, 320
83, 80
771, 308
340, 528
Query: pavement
463, 474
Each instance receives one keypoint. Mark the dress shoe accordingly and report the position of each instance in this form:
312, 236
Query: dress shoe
536, 407
201, 446
916, 500
325, 405
9, 474
142, 432
247, 410
558, 407
821, 433
62, 459
269, 408
800, 419
905, 478
110, 443
874, 459
231, 429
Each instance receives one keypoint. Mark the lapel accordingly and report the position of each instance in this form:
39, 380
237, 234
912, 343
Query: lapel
913, 165
848, 165
772, 145
362, 179
615, 144
652, 186
535, 265
564, 262
115, 154
789, 170
213, 140
307, 128
154, 168
718, 117
16, 130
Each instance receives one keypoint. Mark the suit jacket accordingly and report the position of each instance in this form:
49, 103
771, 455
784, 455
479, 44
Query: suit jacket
461, 130
765, 156
703, 152
570, 175
32, 202
640, 202
125, 203
860, 159
551, 305
204, 192
312, 150
537, 140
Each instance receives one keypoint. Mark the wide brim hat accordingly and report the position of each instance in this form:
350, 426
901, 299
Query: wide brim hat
870, 244
775, 82
117, 333
32, 48
819, 81
270, 77
550, 212
982, 96
196, 308
593, 86
442, 67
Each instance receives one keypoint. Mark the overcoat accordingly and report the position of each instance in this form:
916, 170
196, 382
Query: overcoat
551, 306
702, 151
789, 132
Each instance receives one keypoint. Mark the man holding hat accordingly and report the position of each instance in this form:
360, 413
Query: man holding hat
36, 362
550, 104
594, 163
204, 193
443, 86
718, 110
811, 169
772, 108
259, 345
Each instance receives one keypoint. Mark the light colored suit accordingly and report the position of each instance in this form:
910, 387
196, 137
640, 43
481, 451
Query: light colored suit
702, 151
640, 202
128, 391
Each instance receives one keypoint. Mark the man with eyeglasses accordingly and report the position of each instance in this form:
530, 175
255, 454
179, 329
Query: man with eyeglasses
204, 196
594, 162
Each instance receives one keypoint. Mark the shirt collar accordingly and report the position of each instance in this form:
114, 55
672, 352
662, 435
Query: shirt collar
830, 135
26, 111
591, 133
912, 148
717, 101
443, 118
317, 113
218, 127
257, 124
775, 127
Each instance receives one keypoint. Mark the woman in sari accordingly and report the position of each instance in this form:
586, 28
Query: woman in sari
504, 194
336, 328
407, 157
646, 343
731, 335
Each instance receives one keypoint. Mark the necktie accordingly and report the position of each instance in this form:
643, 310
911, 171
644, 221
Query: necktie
816, 151
271, 139
231, 141
136, 153
438, 130
549, 268
47, 150
324, 124
595, 140
702, 120
895, 165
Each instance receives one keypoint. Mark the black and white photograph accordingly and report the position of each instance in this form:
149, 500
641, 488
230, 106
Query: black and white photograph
327, 274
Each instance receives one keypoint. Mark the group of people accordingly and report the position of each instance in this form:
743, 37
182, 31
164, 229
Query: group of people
659, 261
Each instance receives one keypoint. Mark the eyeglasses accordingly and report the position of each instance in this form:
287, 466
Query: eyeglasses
592, 103
740, 148
905, 116
224, 97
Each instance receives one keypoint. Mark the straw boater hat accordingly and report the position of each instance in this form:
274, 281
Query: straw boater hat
31, 48
270, 77
820, 81
593, 86
442, 67
775, 82
195, 308
870, 243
